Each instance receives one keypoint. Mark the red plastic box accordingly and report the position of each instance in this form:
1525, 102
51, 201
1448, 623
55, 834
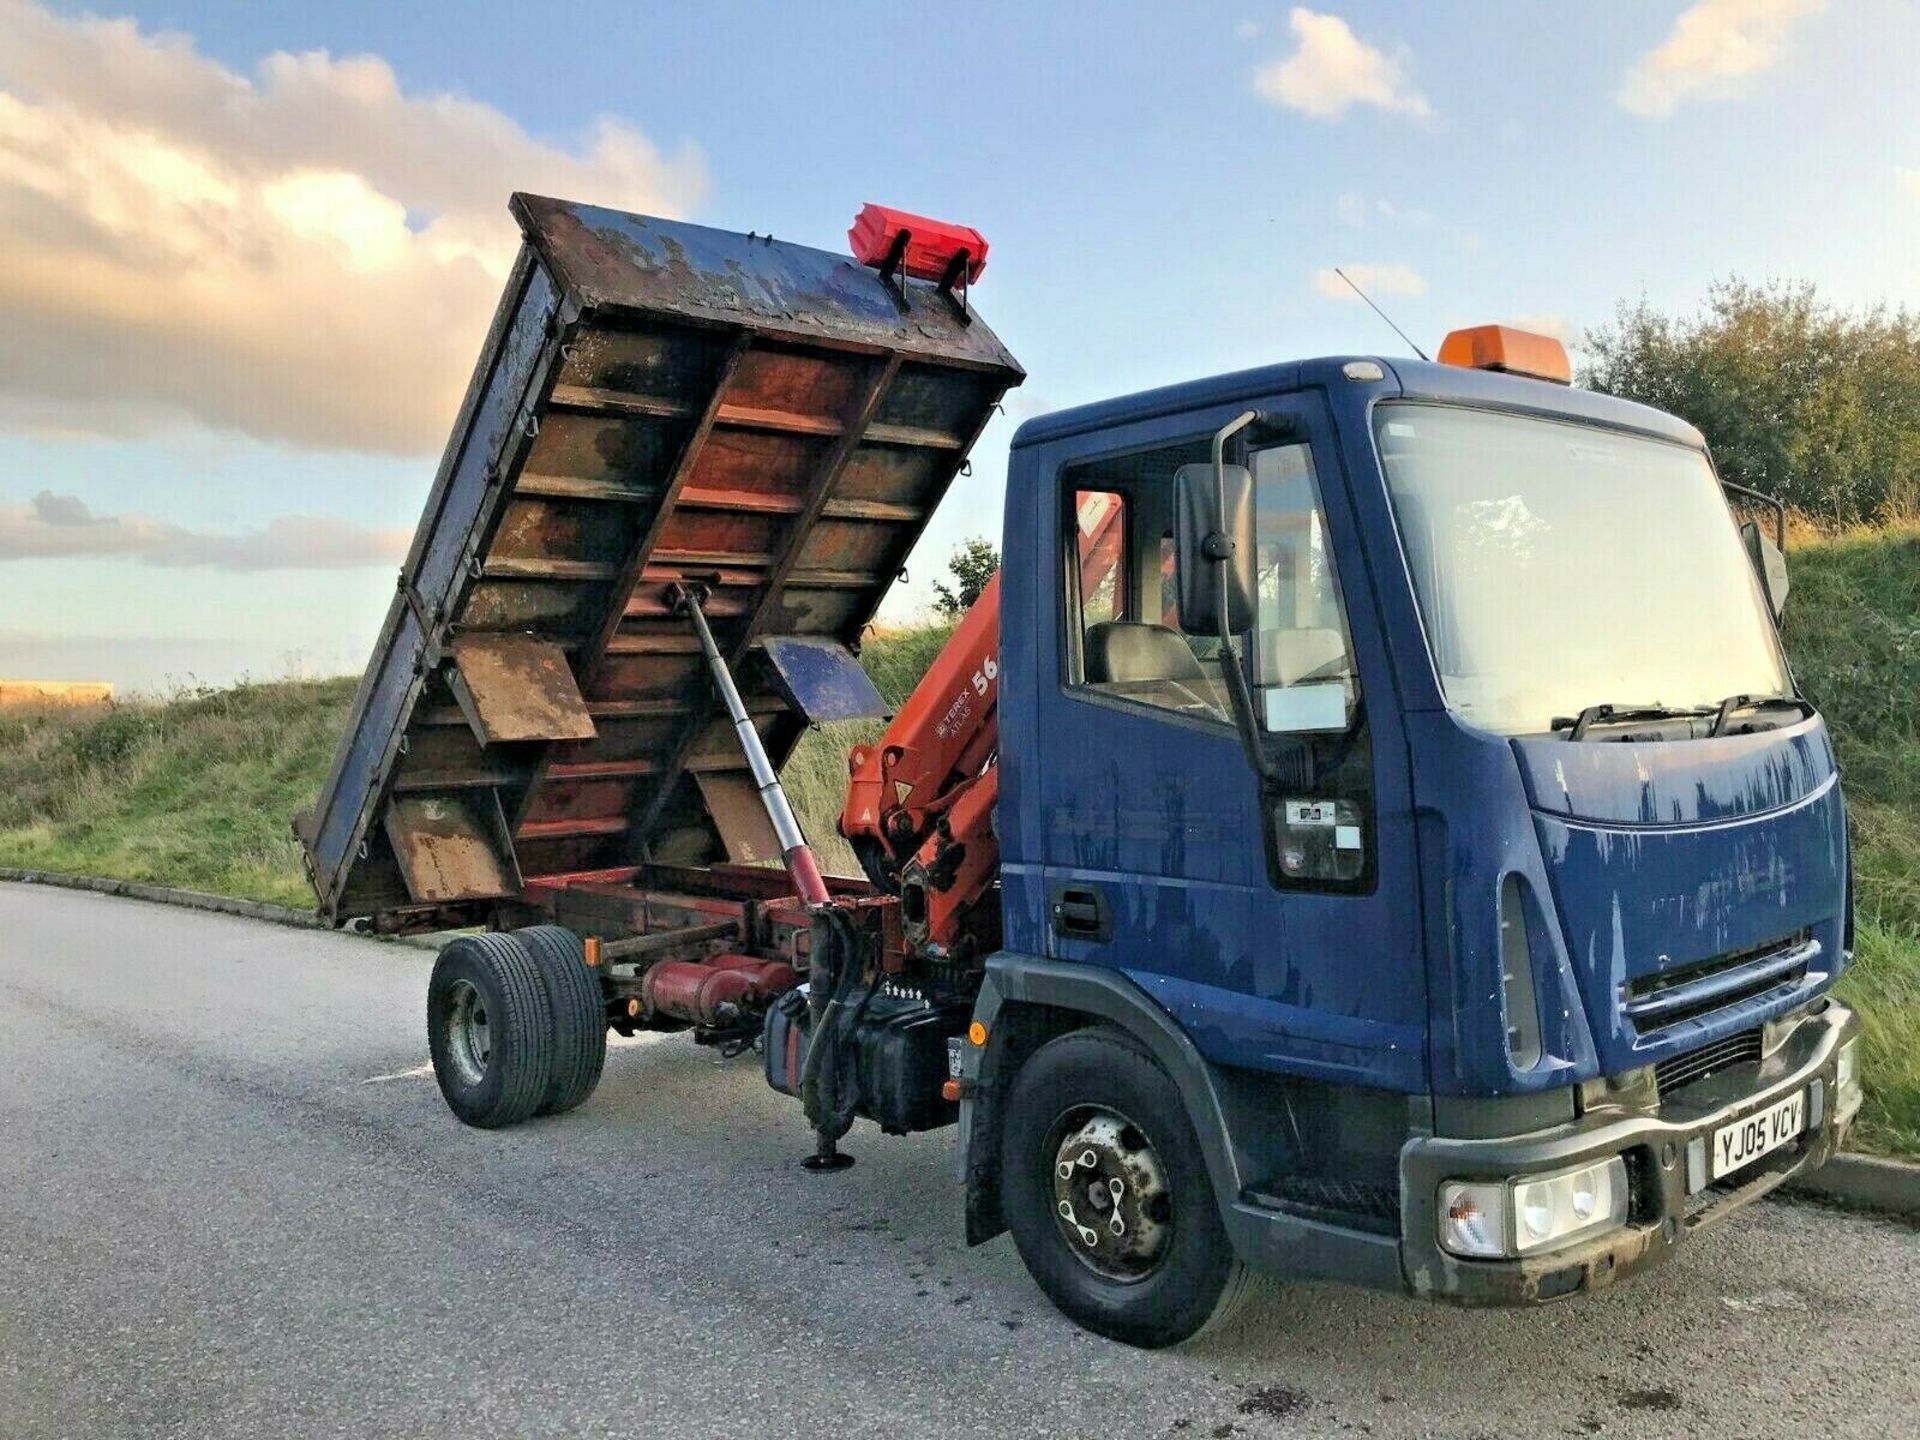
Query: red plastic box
931, 244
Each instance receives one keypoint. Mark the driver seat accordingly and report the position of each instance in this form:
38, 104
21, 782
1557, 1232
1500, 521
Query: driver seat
1148, 662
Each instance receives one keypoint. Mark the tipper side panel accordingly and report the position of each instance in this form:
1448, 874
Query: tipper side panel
658, 403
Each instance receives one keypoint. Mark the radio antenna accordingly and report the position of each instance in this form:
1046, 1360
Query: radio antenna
1381, 313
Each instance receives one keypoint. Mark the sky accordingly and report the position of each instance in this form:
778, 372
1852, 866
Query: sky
248, 252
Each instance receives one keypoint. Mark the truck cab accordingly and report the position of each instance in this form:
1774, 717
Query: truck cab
1492, 958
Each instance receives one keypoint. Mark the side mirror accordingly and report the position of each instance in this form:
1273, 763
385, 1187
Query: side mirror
1210, 539
1769, 564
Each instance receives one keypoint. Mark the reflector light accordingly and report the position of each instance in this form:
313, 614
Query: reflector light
1516, 352
890, 239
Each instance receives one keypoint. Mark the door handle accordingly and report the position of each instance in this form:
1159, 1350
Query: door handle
1081, 911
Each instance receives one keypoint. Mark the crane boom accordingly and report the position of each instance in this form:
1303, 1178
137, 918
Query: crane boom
919, 809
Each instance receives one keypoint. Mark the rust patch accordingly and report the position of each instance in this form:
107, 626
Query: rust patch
734, 802
515, 687
451, 848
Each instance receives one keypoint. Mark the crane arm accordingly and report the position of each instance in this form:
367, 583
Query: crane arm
919, 809
941, 742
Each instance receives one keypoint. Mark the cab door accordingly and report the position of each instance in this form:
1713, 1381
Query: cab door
1279, 929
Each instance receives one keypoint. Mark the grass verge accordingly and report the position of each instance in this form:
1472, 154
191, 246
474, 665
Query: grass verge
1853, 633
195, 791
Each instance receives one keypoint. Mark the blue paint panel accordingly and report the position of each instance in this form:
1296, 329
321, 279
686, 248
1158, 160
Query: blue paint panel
1411, 379
1163, 817
1675, 783
820, 677
1638, 902
498, 425
1475, 829
1023, 895
1257, 1033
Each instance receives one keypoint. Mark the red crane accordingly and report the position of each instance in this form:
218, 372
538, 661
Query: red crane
919, 809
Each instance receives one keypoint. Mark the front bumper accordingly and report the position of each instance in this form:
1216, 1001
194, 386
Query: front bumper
1666, 1206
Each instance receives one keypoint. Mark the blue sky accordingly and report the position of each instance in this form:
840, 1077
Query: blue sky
1160, 186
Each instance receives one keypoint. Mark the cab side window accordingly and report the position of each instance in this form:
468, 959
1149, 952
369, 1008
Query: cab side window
1127, 645
1302, 654
1100, 548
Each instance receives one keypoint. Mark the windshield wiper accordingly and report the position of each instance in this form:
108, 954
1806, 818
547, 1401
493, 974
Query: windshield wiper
1724, 711
1612, 712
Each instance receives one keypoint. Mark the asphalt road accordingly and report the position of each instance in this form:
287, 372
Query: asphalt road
232, 1204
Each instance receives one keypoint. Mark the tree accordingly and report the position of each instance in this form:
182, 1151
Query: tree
973, 565
1799, 398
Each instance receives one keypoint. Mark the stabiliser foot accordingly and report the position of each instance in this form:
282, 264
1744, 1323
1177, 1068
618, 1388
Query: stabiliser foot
826, 1159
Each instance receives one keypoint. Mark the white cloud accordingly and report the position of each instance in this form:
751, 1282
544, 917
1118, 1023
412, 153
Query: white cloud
51, 526
1376, 280
1547, 322
1910, 179
1360, 212
1333, 70
1714, 48
307, 253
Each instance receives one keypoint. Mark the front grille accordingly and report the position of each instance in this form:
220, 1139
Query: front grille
1671, 997
1683, 1070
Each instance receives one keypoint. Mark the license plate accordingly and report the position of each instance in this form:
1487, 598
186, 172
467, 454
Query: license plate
1745, 1141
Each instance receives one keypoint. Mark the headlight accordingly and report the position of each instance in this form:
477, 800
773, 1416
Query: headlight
1560, 1209
1521, 1217
1847, 1091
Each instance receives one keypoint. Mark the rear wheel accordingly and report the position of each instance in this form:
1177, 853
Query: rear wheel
1106, 1192
489, 1030
579, 1015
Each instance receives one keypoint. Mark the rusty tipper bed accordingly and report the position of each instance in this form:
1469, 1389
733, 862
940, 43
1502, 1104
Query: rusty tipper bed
657, 402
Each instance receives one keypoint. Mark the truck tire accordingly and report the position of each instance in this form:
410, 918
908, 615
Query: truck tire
1107, 1194
489, 1030
579, 1015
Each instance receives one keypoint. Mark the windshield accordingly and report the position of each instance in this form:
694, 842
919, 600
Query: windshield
1560, 566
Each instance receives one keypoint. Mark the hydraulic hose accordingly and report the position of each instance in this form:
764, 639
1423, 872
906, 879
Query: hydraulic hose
820, 1079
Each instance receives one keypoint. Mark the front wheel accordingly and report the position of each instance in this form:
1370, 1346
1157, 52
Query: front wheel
1107, 1194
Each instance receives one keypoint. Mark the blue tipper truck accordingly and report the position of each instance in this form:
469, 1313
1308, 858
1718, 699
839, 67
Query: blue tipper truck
1370, 830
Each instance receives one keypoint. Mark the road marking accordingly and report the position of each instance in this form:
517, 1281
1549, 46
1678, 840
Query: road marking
614, 1042
414, 1074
